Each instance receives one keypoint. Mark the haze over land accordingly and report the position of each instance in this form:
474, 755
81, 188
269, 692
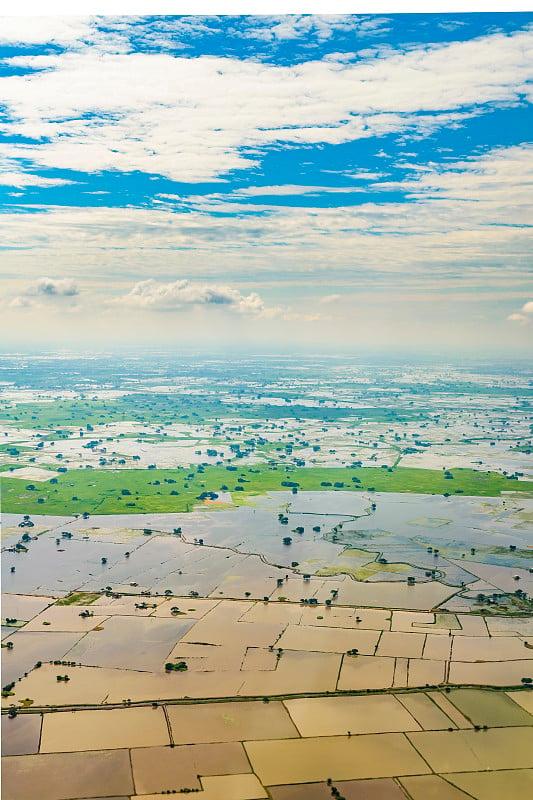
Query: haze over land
338, 183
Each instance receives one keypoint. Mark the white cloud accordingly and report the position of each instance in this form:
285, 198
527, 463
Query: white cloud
524, 315
189, 119
291, 189
297, 26
330, 298
22, 179
50, 287
154, 296
75, 32
21, 302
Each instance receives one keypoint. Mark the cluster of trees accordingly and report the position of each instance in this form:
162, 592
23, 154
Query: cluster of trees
179, 666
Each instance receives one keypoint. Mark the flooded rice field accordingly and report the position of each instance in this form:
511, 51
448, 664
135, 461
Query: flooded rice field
456, 541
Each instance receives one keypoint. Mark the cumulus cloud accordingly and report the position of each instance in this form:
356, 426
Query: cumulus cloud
21, 302
155, 296
50, 287
297, 26
524, 315
330, 298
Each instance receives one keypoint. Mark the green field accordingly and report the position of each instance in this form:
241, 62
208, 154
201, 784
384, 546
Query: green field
149, 490
166, 409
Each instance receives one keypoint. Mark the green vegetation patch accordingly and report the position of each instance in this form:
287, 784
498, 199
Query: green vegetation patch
78, 599
162, 409
124, 491
492, 708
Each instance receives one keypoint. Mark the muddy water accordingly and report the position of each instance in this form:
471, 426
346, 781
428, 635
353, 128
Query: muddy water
51, 569
21, 735
59, 776
131, 643
29, 648
22, 606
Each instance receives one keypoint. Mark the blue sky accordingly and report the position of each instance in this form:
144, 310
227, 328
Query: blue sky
335, 182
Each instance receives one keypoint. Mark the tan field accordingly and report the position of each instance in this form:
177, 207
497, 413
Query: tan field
257, 658
451, 711
423, 672
374, 789
156, 769
470, 750
329, 640
297, 671
424, 787
189, 607
229, 787
524, 699
107, 729
366, 672
495, 673
427, 713
230, 722
498, 648
401, 672
402, 645
437, 647
342, 758
324, 716
511, 783
65, 618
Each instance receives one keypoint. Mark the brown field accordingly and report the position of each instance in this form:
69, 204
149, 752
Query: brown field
157, 769
61, 776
